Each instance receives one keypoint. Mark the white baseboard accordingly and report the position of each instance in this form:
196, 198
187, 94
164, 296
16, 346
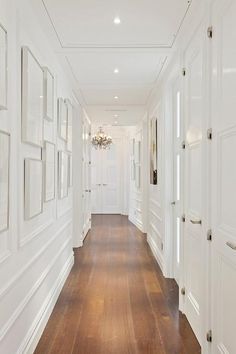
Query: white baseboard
34, 334
156, 252
136, 223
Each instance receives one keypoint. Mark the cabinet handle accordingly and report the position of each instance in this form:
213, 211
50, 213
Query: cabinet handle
231, 245
196, 222
172, 203
104, 184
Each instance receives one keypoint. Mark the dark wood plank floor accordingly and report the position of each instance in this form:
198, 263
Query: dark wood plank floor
116, 300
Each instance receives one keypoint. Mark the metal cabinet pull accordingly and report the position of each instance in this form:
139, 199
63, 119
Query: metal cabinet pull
98, 184
172, 203
196, 222
231, 245
104, 184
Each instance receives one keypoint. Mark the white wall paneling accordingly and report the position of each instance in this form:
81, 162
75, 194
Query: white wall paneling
138, 181
77, 171
156, 220
36, 255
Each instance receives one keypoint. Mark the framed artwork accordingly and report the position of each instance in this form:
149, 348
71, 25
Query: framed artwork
3, 68
153, 151
63, 174
4, 180
33, 188
49, 171
62, 119
48, 95
32, 99
69, 128
70, 178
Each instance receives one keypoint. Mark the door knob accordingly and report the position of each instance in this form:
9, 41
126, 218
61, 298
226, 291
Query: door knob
196, 222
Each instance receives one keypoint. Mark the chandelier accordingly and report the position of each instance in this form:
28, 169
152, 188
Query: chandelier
100, 140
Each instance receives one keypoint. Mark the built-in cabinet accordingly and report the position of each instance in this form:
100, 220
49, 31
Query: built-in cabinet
192, 230
222, 218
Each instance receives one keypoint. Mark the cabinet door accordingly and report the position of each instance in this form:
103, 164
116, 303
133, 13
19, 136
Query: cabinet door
223, 177
193, 190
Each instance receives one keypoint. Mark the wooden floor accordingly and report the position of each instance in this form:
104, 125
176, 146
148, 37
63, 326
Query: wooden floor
116, 300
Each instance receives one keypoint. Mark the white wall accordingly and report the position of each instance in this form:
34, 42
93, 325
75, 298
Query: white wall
156, 215
35, 256
138, 195
77, 175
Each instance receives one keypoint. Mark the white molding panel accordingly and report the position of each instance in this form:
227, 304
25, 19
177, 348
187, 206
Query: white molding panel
36, 255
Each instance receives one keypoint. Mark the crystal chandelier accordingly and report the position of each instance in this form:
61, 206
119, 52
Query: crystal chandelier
100, 140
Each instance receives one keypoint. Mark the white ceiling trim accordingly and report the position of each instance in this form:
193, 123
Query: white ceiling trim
95, 46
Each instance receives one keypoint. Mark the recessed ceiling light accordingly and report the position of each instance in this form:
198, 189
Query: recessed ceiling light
117, 20
116, 71
116, 115
116, 122
116, 97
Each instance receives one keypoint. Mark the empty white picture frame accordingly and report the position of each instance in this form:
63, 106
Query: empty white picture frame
4, 180
49, 171
69, 128
62, 119
32, 99
48, 95
70, 178
33, 188
3, 68
62, 174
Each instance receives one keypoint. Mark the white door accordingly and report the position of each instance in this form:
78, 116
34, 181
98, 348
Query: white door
106, 179
193, 187
177, 166
86, 177
223, 177
96, 181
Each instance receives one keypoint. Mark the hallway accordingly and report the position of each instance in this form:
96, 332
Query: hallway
116, 300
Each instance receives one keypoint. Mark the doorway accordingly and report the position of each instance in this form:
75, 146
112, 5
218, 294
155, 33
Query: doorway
106, 179
177, 177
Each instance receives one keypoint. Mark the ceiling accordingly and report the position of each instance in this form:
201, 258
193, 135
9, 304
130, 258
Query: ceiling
91, 46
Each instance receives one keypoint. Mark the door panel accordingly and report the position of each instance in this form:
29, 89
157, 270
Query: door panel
106, 179
96, 178
111, 179
223, 176
177, 178
193, 235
